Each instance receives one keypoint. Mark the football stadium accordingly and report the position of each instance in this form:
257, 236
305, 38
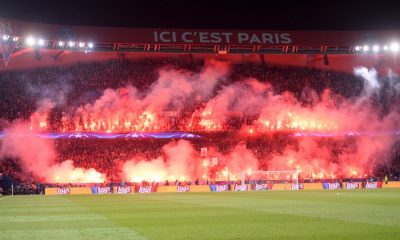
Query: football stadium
186, 133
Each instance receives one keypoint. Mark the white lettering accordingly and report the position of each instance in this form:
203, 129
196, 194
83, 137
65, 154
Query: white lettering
277, 39
227, 36
285, 38
183, 188
203, 37
242, 37
221, 188
155, 33
215, 37
144, 189
103, 190
261, 187
267, 38
254, 39
63, 191
334, 185
173, 36
297, 186
240, 187
350, 185
124, 190
185, 39
163, 37
370, 185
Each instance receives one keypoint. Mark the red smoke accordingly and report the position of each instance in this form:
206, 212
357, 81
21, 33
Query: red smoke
127, 109
212, 104
182, 162
37, 157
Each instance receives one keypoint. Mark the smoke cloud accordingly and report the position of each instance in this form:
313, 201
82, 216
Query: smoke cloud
37, 157
214, 102
183, 162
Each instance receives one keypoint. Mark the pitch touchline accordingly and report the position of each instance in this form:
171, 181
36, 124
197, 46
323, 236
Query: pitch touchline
5, 197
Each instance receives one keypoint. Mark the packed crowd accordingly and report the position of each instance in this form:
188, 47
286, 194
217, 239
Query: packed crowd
85, 82
108, 156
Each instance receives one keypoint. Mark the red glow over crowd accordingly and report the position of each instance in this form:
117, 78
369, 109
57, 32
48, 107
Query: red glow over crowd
246, 111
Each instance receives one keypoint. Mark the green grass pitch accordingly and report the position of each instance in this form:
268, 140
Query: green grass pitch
345, 214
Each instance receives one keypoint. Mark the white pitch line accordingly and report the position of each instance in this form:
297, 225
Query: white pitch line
5, 197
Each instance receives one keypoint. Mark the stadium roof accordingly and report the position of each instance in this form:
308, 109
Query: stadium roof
20, 34
72, 29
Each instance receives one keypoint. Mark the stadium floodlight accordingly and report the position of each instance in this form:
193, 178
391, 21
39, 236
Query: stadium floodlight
394, 47
41, 42
15, 39
30, 41
71, 44
365, 48
357, 48
81, 44
90, 45
375, 48
385, 48
61, 44
6, 37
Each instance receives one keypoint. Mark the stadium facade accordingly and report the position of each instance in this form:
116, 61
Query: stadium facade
36, 44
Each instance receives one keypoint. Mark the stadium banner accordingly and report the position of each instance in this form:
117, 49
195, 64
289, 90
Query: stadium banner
199, 188
240, 188
72, 190
297, 186
372, 185
214, 188
219, 187
261, 187
101, 190
123, 190
63, 191
282, 186
312, 186
183, 188
194, 36
391, 184
353, 185
168, 188
146, 189
332, 186
192, 188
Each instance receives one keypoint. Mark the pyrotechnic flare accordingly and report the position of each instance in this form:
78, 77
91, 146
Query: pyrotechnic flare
205, 101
